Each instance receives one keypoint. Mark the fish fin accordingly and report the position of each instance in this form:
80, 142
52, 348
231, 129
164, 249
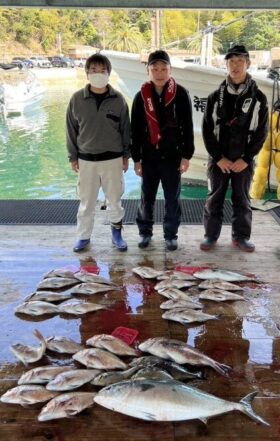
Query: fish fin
204, 420
247, 408
38, 335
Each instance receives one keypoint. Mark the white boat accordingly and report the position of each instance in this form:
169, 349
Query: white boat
19, 89
200, 81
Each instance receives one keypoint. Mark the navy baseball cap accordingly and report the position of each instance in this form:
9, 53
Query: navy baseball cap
158, 56
237, 50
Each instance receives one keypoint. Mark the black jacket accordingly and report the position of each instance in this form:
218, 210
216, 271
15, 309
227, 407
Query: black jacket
175, 123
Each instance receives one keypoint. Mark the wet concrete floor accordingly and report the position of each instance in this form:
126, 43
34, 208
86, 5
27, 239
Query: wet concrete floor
245, 336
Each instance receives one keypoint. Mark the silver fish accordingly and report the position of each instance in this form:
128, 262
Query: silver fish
30, 354
61, 272
92, 278
219, 295
152, 373
47, 296
174, 283
176, 275
27, 394
146, 272
174, 294
111, 344
181, 353
169, 400
186, 316
72, 379
219, 284
42, 374
79, 307
36, 308
187, 304
92, 288
106, 378
99, 359
56, 282
66, 405
228, 276
63, 345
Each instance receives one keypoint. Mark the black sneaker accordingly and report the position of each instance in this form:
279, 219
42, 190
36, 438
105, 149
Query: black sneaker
244, 245
144, 242
171, 244
207, 244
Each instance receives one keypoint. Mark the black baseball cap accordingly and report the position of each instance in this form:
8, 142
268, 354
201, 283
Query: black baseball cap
237, 50
158, 56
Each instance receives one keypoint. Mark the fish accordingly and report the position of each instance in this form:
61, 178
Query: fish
187, 304
174, 283
181, 353
72, 379
92, 288
106, 378
176, 275
99, 359
26, 394
36, 308
30, 354
92, 278
56, 282
186, 316
77, 307
169, 400
66, 405
174, 294
111, 344
219, 295
220, 274
146, 272
63, 345
61, 272
219, 284
47, 296
151, 373
42, 374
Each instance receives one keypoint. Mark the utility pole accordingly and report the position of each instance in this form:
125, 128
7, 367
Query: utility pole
155, 28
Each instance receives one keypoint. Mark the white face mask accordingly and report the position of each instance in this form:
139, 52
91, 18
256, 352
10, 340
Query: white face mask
98, 80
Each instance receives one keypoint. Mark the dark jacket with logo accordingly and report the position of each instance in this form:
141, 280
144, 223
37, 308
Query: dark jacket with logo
235, 121
175, 123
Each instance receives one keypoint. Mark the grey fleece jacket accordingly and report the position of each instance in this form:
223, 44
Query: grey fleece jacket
93, 131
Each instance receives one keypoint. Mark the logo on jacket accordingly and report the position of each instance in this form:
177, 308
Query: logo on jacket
150, 104
246, 105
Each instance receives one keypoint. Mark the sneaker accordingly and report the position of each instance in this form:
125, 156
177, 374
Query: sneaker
81, 245
244, 245
207, 244
144, 242
171, 244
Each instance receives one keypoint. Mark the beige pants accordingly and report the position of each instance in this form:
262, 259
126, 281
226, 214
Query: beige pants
107, 175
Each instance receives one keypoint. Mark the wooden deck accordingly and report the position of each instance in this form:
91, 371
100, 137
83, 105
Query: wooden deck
246, 335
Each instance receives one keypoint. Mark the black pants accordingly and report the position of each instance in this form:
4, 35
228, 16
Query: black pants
155, 170
213, 210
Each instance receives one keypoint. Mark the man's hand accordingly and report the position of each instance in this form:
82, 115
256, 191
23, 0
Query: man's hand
75, 166
138, 168
125, 164
225, 165
184, 165
239, 165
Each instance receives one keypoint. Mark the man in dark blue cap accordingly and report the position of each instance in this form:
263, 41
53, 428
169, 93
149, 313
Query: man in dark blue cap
234, 129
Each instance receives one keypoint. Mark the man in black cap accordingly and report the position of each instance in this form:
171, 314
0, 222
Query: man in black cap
162, 145
234, 129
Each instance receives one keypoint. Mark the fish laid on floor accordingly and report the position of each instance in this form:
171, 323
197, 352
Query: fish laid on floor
169, 400
27, 394
66, 405
146, 272
186, 316
61, 272
174, 294
92, 278
228, 276
36, 308
152, 373
99, 359
176, 275
219, 284
106, 378
47, 296
111, 344
181, 353
77, 307
219, 295
56, 282
72, 379
186, 304
63, 345
92, 288
42, 374
30, 354
174, 283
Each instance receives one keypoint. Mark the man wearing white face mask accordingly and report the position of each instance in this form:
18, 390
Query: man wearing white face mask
98, 136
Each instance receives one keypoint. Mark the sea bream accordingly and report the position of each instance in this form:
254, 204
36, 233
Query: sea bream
186, 316
48, 296
92, 288
92, 278
72, 379
146, 272
111, 344
66, 405
77, 307
185, 304
27, 394
181, 353
176, 275
62, 272
174, 294
174, 283
219, 284
30, 354
37, 308
56, 282
42, 374
228, 276
99, 359
63, 345
219, 295
169, 400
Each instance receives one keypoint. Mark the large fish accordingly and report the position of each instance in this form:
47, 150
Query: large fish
92, 288
219, 284
66, 405
186, 316
169, 400
181, 353
111, 344
106, 378
77, 307
174, 283
56, 282
219, 295
186, 304
92, 278
30, 354
228, 276
42, 374
72, 379
36, 308
63, 345
27, 394
47, 296
146, 272
99, 359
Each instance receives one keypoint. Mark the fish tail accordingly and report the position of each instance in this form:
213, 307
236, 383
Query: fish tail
39, 336
247, 408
